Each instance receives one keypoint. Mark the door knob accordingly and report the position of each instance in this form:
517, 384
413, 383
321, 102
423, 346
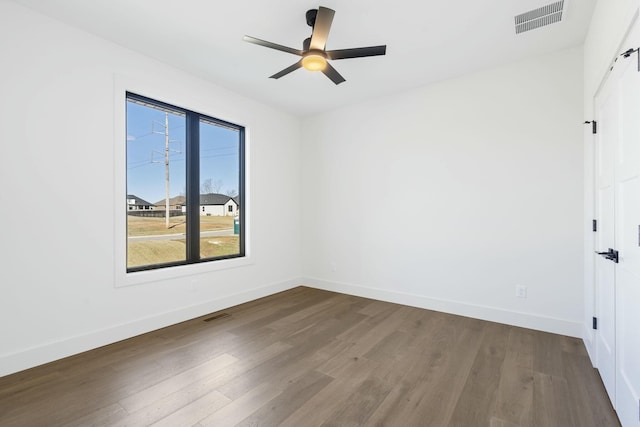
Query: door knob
611, 255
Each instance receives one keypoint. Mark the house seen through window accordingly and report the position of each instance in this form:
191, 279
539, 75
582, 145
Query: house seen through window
183, 168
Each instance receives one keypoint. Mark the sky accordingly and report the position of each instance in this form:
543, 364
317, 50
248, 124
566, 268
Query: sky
219, 158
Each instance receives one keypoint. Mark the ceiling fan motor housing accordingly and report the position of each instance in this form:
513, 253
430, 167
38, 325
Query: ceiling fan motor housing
311, 17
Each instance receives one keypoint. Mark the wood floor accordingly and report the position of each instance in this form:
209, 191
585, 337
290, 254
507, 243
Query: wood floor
307, 357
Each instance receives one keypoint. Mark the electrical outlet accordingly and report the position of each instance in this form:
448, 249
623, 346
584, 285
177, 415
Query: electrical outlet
521, 291
333, 266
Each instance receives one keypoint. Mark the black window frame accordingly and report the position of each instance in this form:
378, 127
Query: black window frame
192, 167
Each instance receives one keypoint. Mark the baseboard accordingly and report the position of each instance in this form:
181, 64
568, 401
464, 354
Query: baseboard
524, 320
49, 352
587, 339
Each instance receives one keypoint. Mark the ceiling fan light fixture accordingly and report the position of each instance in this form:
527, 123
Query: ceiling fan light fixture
314, 61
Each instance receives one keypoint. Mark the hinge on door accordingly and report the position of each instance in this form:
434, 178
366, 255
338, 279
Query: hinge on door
594, 225
630, 52
595, 323
594, 126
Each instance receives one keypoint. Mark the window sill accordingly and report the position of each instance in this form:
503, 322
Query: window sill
124, 279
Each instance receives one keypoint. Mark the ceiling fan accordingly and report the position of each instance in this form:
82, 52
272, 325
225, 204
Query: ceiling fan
314, 54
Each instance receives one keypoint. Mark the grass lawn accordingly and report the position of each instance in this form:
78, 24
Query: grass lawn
144, 226
159, 251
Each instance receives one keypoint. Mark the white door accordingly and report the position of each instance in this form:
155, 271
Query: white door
627, 183
607, 119
617, 108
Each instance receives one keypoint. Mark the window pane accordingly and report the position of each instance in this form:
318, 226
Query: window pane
156, 218
219, 190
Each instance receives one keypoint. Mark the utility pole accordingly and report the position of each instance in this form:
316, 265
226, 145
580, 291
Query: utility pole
166, 162
166, 167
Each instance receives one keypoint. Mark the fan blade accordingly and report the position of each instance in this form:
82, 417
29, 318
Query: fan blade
321, 28
331, 72
358, 52
287, 70
272, 45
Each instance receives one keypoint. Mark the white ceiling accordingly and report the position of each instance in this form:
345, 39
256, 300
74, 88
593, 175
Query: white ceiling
427, 41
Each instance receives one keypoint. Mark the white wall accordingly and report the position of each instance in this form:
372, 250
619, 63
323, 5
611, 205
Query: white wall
234, 208
215, 210
57, 134
488, 169
609, 24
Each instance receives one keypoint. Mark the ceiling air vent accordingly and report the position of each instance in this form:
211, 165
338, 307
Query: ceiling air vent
539, 17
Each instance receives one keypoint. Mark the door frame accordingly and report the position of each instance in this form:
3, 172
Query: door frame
624, 401
590, 194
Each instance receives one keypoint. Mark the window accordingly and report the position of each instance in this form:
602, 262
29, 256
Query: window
230, 208
174, 158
